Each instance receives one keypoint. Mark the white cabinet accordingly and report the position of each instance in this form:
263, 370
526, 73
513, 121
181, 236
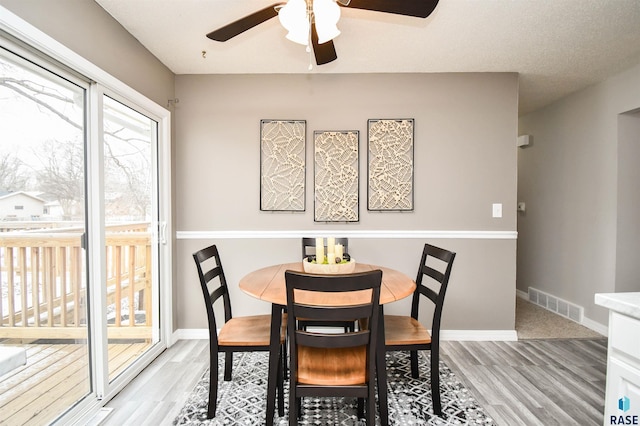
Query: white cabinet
622, 401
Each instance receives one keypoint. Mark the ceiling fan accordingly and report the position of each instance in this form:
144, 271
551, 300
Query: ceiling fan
325, 52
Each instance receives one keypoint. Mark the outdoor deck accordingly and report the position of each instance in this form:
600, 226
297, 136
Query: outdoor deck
43, 309
54, 378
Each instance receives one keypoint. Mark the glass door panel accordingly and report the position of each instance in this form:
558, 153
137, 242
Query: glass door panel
44, 351
130, 140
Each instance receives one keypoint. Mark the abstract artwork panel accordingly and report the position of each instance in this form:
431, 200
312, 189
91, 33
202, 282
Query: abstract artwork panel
336, 176
282, 165
391, 166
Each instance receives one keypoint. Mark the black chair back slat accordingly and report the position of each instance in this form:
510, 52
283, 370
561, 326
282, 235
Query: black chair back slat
426, 291
217, 293
335, 313
212, 274
330, 340
430, 272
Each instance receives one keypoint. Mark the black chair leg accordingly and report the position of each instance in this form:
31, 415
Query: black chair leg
414, 364
213, 385
294, 408
361, 408
371, 409
280, 388
228, 364
435, 380
285, 367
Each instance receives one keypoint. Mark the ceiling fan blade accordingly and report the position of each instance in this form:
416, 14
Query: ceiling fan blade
244, 24
417, 8
325, 52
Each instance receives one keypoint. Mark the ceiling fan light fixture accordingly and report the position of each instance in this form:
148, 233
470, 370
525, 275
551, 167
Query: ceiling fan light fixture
295, 19
326, 15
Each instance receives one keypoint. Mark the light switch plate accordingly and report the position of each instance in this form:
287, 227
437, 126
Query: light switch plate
497, 210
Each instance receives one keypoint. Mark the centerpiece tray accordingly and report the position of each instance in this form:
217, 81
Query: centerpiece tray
325, 268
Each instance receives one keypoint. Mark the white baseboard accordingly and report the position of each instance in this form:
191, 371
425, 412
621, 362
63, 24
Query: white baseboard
460, 335
192, 333
595, 326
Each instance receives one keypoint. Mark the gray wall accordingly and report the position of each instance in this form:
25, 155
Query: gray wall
465, 160
628, 233
84, 27
569, 238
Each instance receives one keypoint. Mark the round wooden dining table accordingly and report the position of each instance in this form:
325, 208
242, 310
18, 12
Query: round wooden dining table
268, 284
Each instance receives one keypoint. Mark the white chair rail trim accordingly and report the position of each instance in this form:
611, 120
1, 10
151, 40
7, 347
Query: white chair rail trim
422, 234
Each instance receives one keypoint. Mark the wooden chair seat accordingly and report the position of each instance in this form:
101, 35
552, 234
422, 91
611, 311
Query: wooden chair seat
249, 331
332, 366
404, 330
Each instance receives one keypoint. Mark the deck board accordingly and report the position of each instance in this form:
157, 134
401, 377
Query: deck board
54, 378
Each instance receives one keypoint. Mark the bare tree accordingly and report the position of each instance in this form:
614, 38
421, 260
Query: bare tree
13, 174
62, 173
129, 180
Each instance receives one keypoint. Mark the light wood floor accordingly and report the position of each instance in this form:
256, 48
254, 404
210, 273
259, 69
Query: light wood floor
532, 382
157, 395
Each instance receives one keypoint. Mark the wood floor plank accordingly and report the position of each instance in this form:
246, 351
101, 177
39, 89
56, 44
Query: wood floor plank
509, 415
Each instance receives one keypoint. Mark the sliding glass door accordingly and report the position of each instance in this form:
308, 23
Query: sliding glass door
44, 336
131, 214
82, 203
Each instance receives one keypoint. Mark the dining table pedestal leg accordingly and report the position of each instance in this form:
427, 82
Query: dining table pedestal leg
381, 372
274, 378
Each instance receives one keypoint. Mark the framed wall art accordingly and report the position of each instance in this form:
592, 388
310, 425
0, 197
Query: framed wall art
390, 165
336, 184
282, 165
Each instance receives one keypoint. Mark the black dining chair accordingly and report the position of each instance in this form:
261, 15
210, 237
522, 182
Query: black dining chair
333, 364
308, 249
237, 334
406, 333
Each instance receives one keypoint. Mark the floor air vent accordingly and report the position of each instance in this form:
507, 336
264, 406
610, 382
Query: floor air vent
556, 305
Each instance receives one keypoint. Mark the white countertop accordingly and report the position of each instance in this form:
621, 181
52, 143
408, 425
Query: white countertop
624, 303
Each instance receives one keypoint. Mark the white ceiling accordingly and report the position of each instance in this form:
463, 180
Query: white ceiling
557, 46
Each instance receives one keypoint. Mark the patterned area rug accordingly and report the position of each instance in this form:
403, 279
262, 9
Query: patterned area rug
242, 401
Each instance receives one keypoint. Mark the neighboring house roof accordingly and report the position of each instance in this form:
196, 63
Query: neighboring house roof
13, 194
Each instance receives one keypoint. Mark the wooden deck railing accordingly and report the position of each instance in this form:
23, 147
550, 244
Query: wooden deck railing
44, 294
